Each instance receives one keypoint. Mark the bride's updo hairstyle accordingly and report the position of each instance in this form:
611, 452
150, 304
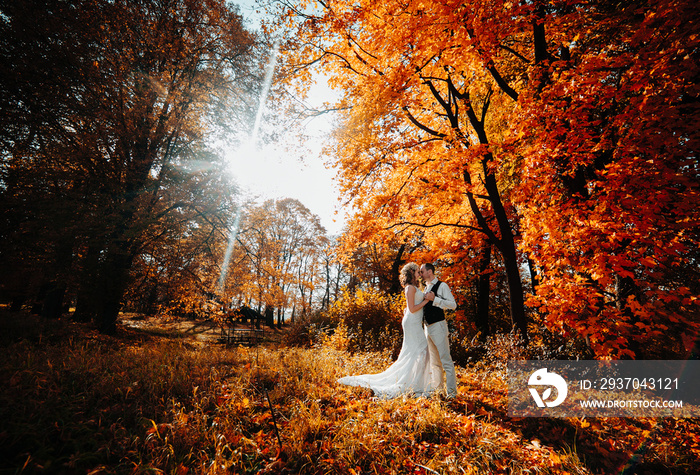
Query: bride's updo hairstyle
408, 275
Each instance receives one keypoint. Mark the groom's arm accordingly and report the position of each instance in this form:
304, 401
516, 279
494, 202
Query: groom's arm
444, 298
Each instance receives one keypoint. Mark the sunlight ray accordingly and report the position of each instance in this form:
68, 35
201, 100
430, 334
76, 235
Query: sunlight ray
248, 149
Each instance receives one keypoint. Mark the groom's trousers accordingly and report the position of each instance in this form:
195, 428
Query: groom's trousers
440, 358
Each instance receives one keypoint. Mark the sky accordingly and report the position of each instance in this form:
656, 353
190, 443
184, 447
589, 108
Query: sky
281, 170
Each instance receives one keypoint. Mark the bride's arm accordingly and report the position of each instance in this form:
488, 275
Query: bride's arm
410, 299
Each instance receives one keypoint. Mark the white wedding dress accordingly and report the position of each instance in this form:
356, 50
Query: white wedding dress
410, 373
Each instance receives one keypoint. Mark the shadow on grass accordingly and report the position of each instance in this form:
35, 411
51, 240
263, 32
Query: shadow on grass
624, 446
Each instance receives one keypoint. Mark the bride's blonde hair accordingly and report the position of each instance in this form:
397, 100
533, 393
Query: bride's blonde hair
408, 275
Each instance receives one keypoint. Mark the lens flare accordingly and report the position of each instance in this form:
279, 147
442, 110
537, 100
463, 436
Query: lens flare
229, 250
269, 72
247, 150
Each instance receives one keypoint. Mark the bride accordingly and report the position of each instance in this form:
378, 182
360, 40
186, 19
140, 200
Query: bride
410, 373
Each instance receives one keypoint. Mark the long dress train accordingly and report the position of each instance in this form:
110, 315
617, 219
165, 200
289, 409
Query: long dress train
410, 373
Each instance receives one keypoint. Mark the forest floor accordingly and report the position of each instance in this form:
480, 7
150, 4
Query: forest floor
198, 330
160, 397
204, 331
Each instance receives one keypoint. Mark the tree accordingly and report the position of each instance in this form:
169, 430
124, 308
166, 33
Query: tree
609, 190
558, 130
103, 98
278, 252
335, 272
423, 105
179, 266
373, 262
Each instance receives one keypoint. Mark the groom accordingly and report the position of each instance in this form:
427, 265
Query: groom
436, 329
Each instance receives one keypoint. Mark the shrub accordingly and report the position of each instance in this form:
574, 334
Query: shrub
307, 330
372, 320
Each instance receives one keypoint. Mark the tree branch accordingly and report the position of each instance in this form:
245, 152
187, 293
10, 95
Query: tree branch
424, 128
491, 67
515, 53
502, 83
433, 225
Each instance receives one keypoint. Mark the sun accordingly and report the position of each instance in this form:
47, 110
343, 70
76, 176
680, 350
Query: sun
244, 162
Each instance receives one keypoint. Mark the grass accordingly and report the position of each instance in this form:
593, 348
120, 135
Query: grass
72, 401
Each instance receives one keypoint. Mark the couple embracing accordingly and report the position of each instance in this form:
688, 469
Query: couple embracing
425, 351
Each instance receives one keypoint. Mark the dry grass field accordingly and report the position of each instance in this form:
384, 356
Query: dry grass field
163, 399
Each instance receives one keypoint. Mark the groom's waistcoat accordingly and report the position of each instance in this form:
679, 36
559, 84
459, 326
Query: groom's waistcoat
431, 313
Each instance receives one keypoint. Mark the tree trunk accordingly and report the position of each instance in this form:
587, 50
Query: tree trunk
270, 316
394, 285
326, 302
538, 32
86, 304
53, 300
484, 291
505, 243
114, 278
508, 251
150, 308
515, 292
56, 288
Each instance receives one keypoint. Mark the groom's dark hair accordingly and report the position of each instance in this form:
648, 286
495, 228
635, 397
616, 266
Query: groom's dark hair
430, 267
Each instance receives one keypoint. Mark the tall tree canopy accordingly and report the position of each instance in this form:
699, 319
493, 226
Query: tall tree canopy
561, 133
104, 106
611, 176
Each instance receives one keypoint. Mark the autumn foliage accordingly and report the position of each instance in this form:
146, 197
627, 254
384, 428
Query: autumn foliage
611, 213
366, 320
560, 135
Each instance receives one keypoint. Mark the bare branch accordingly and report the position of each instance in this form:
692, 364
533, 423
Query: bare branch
491, 67
487, 103
439, 98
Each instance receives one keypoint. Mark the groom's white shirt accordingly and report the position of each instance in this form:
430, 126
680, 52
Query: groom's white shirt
443, 296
